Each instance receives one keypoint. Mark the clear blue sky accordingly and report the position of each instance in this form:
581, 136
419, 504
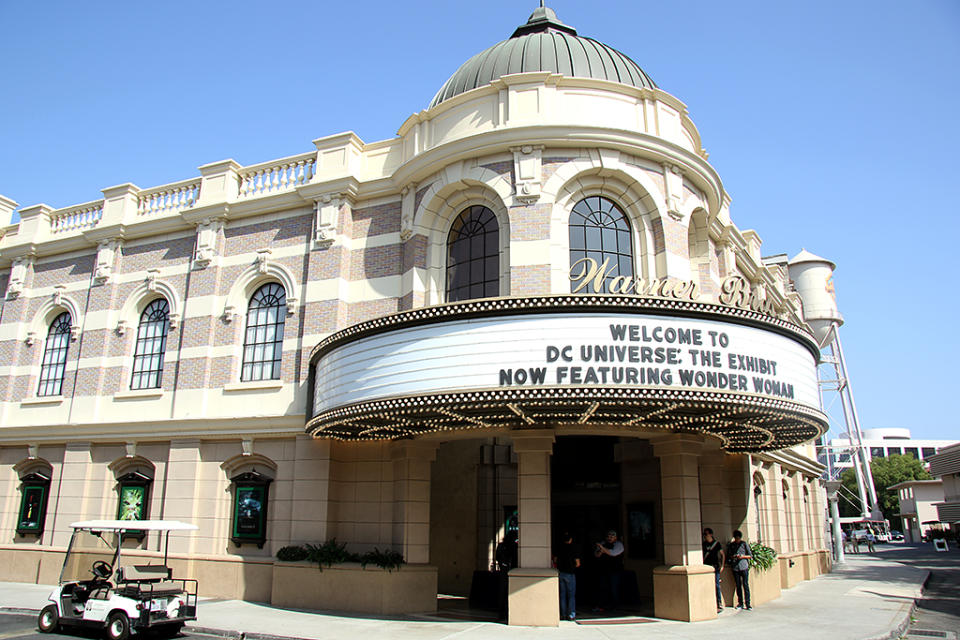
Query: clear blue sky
833, 125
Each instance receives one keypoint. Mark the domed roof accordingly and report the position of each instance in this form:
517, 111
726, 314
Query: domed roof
544, 44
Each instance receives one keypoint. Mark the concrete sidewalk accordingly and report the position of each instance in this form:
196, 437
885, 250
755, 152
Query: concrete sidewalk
870, 597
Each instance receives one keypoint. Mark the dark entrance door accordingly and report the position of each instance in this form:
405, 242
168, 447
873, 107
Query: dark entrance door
586, 502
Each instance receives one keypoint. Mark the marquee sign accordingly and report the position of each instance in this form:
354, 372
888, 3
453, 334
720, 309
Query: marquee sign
609, 360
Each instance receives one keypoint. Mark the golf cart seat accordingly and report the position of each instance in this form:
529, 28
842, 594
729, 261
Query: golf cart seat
143, 573
146, 579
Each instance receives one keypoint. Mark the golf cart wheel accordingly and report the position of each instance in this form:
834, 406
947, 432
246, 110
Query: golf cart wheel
118, 626
49, 619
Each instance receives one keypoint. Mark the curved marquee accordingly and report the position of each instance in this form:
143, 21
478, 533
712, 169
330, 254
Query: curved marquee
629, 362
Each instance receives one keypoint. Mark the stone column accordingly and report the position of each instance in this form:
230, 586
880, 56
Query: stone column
534, 596
684, 587
714, 508
411, 494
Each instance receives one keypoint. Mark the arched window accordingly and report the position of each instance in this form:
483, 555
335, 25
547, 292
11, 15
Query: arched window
151, 345
263, 342
54, 362
473, 255
599, 230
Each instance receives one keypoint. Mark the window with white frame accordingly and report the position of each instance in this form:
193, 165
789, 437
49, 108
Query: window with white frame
54, 363
151, 345
263, 340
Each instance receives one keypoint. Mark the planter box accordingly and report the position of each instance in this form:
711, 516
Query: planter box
350, 587
765, 585
791, 569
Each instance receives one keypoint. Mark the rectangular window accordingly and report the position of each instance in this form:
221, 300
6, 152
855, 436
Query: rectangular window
912, 451
928, 451
876, 452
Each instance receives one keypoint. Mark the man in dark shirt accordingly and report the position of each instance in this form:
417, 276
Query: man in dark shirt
739, 553
567, 560
714, 556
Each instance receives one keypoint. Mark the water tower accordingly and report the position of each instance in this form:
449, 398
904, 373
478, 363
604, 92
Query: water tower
812, 279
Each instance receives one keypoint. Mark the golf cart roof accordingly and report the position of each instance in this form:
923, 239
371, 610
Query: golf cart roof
134, 525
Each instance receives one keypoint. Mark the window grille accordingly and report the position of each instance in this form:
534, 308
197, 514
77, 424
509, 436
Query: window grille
54, 364
599, 230
263, 341
151, 345
473, 255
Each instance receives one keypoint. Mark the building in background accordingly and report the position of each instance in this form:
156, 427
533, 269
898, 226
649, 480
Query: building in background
946, 466
884, 442
918, 500
530, 310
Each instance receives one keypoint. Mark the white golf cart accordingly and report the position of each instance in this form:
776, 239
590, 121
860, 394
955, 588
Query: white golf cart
141, 597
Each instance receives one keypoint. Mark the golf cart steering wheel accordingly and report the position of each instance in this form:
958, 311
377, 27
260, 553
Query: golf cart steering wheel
101, 569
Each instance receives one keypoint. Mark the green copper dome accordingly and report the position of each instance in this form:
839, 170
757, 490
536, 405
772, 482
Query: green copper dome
544, 44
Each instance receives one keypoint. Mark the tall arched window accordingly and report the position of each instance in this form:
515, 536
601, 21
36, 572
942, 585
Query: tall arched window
599, 230
151, 345
54, 363
473, 255
263, 342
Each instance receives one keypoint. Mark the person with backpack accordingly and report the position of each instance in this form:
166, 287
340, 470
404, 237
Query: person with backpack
714, 556
738, 555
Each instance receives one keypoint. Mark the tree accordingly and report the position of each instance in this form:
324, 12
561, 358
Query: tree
886, 472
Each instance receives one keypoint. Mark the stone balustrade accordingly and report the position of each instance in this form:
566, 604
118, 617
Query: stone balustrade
76, 218
277, 175
168, 198
263, 179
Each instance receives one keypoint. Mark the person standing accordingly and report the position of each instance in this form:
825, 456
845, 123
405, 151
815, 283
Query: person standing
714, 556
506, 556
739, 554
567, 561
610, 554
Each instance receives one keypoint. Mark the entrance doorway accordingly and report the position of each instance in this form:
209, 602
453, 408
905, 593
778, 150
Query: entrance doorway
587, 502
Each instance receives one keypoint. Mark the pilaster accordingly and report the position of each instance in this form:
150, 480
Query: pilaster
181, 493
73, 501
411, 494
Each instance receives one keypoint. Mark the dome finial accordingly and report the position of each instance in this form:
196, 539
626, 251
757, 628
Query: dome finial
543, 18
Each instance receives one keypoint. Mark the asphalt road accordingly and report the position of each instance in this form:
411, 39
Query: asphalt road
939, 609
24, 627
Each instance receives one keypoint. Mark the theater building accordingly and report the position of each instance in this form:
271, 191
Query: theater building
529, 310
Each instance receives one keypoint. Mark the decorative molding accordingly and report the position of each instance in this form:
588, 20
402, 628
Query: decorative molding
407, 210
208, 231
18, 276
60, 300
527, 173
106, 259
262, 259
326, 218
673, 197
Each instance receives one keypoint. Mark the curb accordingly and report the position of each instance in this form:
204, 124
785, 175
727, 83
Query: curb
19, 611
237, 635
900, 629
